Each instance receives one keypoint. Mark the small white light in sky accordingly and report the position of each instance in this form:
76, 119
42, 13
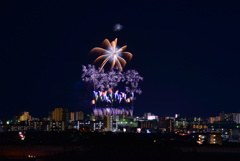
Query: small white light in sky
117, 27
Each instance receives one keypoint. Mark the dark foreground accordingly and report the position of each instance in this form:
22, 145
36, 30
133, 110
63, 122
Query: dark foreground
77, 146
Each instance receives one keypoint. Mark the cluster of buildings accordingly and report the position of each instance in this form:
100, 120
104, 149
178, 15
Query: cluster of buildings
57, 120
227, 124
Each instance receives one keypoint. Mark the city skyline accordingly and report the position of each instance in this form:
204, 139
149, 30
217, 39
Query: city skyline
68, 115
187, 53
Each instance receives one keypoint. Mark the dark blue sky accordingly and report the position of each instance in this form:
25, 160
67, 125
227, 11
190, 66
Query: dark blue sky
187, 52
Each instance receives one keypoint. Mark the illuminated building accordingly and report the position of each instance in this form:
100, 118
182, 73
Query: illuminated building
226, 117
76, 116
35, 125
97, 126
213, 119
198, 128
93, 117
152, 117
79, 115
162, 123
170, 126
60, 114
181, 122
22, 126
237, 119
72, 116
148, 124
214, 139
208, 138
25, 116
125, 123
166, 124
108, 123
200, 139
57, 126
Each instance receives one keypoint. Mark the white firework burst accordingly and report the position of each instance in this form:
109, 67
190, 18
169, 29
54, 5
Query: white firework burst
112, 54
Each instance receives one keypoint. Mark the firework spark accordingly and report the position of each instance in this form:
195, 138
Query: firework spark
117, 27
112, 53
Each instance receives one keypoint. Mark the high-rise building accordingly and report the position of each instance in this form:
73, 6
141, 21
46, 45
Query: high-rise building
76, 116
226, 117
53, 115
79, 116
166, 124
162, 122
72, 116
237, 119
222, 116
170, 125
108, 123
60, 114
213, 119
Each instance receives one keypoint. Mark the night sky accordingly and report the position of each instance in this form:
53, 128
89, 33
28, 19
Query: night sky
187, 52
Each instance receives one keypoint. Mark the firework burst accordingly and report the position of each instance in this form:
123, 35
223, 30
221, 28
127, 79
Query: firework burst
111, 54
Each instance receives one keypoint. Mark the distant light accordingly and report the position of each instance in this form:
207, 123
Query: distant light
152, 117
139, 130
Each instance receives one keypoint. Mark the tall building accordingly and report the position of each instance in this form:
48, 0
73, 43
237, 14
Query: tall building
221, 116
108, 123
213, 119
166, 124
226, 117
76, 116
162, 122
79, 116
53, 115
60, 114
170, 125
237, 120
72, 116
